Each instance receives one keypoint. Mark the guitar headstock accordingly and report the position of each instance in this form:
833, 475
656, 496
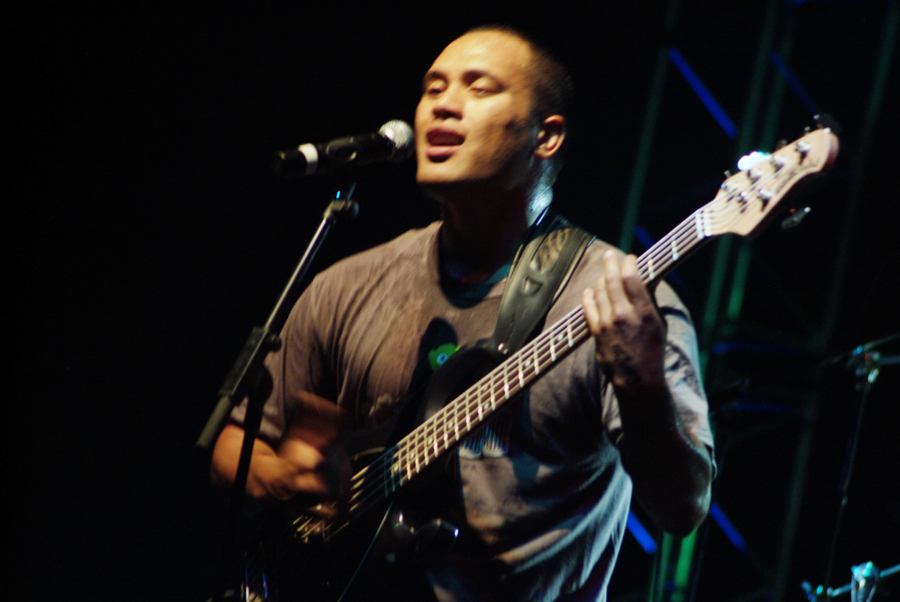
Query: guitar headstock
748, 200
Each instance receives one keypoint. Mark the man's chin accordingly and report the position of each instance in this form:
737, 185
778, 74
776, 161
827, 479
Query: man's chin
443, 188
466, 192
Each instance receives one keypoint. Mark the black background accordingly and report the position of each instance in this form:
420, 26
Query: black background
146, 236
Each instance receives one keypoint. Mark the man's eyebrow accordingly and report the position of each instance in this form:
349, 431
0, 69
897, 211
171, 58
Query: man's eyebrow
476, 74
432, 75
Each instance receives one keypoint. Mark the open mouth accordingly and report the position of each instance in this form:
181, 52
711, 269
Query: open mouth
442, 143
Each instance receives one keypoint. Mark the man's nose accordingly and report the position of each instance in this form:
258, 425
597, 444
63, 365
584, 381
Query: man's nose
448, 104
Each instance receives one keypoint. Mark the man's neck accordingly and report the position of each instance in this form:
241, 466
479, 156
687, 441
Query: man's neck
483, 228
480, 237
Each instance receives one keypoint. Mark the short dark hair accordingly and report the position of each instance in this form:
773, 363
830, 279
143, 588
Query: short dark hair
553, 86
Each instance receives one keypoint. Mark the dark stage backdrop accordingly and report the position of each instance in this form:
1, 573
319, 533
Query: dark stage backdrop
146, 236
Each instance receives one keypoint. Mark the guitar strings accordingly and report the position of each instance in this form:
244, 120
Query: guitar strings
717, 217
434, 433
387, 472
435, 436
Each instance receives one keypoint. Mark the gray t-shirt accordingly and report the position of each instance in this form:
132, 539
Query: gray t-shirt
542, 486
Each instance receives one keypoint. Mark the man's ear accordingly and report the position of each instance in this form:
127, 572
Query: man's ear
550, 136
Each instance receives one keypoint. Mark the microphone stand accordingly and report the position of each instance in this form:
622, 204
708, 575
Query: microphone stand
866, 363
865, 579
249, 378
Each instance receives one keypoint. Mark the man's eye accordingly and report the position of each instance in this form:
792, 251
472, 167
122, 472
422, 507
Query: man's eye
484, 92
482, 88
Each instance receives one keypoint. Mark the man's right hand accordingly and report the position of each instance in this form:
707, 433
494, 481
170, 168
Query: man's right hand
308, 466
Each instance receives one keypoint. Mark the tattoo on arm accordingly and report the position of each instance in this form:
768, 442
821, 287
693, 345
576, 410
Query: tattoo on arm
623, 365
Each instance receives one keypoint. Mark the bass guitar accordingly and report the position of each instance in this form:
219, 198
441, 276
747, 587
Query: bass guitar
328, 555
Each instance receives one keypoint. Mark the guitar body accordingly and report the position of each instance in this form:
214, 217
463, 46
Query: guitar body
383, 554
302, 565
386, 548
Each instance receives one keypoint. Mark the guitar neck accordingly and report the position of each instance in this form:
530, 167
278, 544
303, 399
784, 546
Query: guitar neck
443, 431
518, 372
675, 246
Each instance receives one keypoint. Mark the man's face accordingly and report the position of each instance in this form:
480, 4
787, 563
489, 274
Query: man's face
474, 123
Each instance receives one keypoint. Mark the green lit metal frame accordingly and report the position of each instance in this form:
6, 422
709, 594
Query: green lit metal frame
668, 565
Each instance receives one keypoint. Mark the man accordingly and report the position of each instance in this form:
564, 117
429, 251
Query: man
544, 489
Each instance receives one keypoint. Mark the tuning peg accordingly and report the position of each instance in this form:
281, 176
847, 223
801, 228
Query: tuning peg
827, 122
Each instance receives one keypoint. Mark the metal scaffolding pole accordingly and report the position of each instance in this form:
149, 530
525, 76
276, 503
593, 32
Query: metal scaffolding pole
728, 281
651, 116
860, 162
711, 313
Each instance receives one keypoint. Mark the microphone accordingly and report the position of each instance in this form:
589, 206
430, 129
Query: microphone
393, 142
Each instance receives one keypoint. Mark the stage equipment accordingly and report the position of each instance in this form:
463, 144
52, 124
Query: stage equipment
862, 589
249, 378
866, 362
393, 142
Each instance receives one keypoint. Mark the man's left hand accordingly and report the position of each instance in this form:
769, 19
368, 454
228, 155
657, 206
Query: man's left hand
629, 332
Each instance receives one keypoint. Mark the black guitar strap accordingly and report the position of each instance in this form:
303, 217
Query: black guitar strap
540, 271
